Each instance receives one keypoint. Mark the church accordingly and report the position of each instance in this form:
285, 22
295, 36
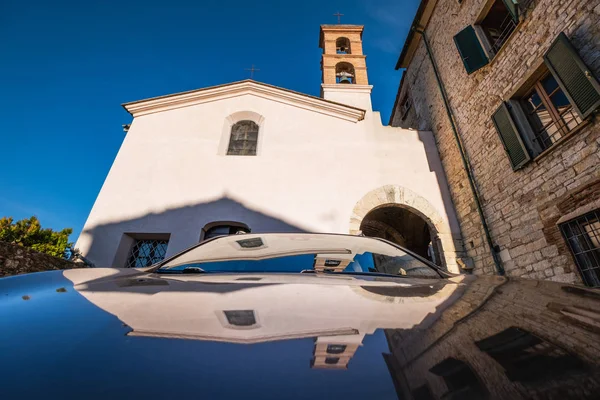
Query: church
251, 157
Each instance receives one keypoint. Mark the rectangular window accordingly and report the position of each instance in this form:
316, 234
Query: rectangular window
423, 393
583, 236
527, 358
549, 113
336, 348
405, 106
479, 43
499, 23
146, 252
460, 380
557, 99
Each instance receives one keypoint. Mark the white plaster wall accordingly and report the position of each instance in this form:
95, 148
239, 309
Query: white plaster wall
169, 175
352, 95
306, 306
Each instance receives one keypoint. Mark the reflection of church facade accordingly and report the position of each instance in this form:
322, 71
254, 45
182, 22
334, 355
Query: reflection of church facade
248, 156
241, 308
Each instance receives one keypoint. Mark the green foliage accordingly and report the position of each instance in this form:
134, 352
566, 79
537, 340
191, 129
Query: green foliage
29, 233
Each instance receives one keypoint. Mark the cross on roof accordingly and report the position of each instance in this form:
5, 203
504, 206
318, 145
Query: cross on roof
252, 71
339, 16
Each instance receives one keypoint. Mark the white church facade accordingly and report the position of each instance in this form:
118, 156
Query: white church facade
248, 156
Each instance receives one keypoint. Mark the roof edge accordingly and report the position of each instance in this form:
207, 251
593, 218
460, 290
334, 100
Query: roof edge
421, 20
178, 100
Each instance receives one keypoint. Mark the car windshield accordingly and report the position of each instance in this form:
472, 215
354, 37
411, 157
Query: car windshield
297, 253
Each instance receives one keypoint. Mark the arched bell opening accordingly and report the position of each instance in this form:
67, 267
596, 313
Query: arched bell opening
344, 73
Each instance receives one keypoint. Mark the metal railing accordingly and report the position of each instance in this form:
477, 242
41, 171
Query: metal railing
506, 29
555, 130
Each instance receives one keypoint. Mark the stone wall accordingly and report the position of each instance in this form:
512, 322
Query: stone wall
15, 260
521, 207
548, 310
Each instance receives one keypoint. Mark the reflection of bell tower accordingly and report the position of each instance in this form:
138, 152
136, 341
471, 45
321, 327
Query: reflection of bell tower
335, 352
344, 66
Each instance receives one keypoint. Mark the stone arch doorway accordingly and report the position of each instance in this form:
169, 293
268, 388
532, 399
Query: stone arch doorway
405, 217
403, 227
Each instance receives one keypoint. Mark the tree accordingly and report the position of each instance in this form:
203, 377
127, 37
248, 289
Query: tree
29, 233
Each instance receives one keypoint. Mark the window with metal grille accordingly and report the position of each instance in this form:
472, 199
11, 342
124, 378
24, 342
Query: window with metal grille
526, 358
240, 317
243, 140
583, 236
562, 96
146, 252
549, 113
461, 381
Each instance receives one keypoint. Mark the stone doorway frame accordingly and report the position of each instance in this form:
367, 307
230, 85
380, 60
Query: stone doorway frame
399, 196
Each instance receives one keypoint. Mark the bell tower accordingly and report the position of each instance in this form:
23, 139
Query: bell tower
344, 66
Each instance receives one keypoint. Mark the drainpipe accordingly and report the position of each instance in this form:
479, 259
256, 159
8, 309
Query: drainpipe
463, 154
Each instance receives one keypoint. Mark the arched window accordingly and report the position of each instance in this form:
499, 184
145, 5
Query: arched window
215, 229
342, 46
243, 139
344, 73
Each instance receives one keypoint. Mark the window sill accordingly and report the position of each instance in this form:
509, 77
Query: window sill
561, 141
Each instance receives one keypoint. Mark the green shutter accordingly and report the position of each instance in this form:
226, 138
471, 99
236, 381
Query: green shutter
470, 49
510, 137
513, 9
573, 76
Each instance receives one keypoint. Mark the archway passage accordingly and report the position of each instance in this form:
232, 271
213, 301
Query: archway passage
403, 227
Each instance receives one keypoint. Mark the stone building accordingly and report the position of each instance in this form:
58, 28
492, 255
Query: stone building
501, 339
511, 94
248, 156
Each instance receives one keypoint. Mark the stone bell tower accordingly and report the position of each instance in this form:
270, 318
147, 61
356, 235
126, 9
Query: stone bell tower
344, 66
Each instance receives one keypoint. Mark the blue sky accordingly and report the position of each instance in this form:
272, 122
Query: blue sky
67, 66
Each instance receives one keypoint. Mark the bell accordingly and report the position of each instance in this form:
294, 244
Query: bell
345, 77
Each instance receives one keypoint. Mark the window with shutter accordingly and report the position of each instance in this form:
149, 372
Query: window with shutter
549, 113
470, 50
573, 76
498, 24
461, 381
510, 137
527, 358
554, 104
